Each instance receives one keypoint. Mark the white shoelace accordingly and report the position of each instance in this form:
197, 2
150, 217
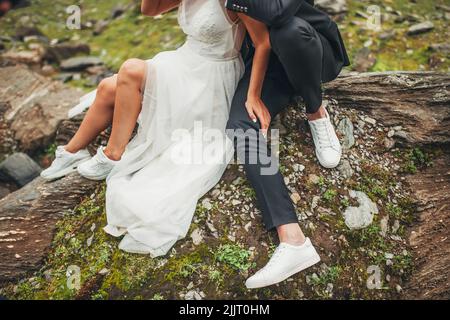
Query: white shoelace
323, 134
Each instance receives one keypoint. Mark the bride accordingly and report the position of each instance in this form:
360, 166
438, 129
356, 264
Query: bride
152, 183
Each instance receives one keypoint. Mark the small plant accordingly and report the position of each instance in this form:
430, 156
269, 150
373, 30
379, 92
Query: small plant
416, 159
157, 296
321, 182
216, 276
235, 256
329, 195
249, 193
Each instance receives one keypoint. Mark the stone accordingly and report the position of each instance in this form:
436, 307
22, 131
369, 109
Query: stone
388, 143
100, 26
36, 106
364, 60
197, 236
313, 178
345, 127
295, 197
420, 28
80, 63
345, 169
332, 6
66, 50
27, 56
362, 216
117, 11
192, 295
19, 168
440, 47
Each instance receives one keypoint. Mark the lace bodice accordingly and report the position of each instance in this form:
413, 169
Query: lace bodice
210, 32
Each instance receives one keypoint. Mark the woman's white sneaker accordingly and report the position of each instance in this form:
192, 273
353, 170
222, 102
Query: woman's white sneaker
286, 261
64, 163
98, 167
326, 142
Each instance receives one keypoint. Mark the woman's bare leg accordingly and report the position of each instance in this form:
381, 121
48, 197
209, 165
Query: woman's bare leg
98, 117
127, 106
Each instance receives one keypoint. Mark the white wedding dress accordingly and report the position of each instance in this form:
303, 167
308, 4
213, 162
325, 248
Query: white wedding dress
180, 150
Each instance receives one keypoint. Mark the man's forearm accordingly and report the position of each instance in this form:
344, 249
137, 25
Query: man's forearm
271, 12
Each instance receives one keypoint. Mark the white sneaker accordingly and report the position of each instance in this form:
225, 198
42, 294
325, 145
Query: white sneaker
98, 167
64, 163
286, 261
326, 142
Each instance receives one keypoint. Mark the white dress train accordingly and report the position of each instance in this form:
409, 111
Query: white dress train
180, 150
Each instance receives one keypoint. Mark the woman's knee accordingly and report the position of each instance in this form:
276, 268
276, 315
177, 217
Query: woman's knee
132, 70
107, 87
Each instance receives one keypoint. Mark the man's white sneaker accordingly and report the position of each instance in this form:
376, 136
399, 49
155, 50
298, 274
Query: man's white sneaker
286, 261
64, 163
98, 168
326, 142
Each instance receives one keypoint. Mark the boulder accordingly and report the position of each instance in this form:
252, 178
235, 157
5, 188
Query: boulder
33, 106
417, 101
19, 168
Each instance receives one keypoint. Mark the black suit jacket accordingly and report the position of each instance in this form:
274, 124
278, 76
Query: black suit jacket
275, 13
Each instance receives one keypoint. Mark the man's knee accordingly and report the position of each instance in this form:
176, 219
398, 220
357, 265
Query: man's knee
293, 35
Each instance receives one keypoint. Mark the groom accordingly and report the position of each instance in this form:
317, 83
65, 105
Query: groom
307, 50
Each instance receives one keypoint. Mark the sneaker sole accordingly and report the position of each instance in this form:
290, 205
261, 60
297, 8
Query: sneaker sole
328, 166
94, 178
306, 265
66, 171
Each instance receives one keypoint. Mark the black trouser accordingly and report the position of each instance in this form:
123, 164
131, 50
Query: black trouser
295, 68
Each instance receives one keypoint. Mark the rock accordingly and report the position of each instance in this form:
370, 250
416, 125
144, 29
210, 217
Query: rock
27, 57
64, 76
345, 169
377, 94
295, 197
65, 50
35, 106
313, 178
332, 6
26, 31
314, 202
100, 26
364, 60
345, 127
19, 168
388, 143
420, 28
361, 216
80, 63
32, 213
197, 236
440, 47
193, 295
4, 190
117, 11
387, 35
384, 226
429, 238
47, 70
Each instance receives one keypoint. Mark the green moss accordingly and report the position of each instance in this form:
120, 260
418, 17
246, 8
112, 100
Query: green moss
234, 256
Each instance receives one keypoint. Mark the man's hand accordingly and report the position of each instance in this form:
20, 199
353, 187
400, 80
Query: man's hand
257, 110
